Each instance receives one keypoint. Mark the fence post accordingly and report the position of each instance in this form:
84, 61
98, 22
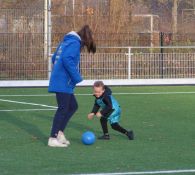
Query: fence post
161, 54
48, 34
129, 62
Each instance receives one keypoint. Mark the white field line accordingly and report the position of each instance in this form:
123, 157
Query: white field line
54, 107
28, 95
153, 93
25, 110
117, 93
26, 103
145, 172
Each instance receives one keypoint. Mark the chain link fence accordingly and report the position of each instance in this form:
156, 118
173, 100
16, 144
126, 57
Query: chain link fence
22, 44
22, 47
139, 63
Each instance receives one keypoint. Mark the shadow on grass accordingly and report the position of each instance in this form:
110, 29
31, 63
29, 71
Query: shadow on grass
35, 133
81, 127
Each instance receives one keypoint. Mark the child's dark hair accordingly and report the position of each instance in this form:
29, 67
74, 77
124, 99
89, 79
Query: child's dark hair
99, 84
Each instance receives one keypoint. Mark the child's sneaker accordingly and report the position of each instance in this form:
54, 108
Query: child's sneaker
62, 139
104, 137
130, 135
53, 142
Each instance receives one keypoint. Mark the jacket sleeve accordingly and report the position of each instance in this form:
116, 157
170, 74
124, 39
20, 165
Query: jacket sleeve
95, 109
54, 55
108, 109
70, 52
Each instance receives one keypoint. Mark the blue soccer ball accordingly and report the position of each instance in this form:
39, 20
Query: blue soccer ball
88, 138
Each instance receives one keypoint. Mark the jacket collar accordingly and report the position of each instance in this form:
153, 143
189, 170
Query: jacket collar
75, 34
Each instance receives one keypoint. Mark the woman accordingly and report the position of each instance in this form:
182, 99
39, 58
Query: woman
64, 77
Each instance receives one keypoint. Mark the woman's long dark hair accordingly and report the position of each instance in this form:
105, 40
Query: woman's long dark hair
86, 36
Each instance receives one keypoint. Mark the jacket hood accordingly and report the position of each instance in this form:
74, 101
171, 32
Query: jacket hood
107, 91
72, 35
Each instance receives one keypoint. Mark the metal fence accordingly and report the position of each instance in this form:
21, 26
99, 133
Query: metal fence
139, 63
104, 66
23, 55
23, 63
22, 44
165, 65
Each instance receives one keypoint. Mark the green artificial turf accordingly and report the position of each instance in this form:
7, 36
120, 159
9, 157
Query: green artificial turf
164, 126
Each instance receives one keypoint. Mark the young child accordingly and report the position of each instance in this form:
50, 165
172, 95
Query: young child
107, 108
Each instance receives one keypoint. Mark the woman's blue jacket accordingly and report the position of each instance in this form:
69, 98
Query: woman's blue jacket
65, 73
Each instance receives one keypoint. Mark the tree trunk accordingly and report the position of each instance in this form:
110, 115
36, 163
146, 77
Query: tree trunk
174, 16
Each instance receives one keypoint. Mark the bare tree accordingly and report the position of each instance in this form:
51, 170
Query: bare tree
174, 16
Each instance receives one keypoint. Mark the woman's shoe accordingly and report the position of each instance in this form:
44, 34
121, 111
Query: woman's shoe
62, 139
53, 142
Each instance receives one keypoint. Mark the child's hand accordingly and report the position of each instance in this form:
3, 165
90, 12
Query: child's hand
98, 114
90, 116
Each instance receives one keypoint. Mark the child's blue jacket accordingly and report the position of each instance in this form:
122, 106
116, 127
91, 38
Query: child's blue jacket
65, 73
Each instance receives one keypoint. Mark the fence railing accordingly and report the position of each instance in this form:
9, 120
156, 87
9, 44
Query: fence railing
122, 64
139, 63
22, 45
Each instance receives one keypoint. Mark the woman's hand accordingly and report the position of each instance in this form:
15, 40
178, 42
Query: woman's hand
98, 114
90, 116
